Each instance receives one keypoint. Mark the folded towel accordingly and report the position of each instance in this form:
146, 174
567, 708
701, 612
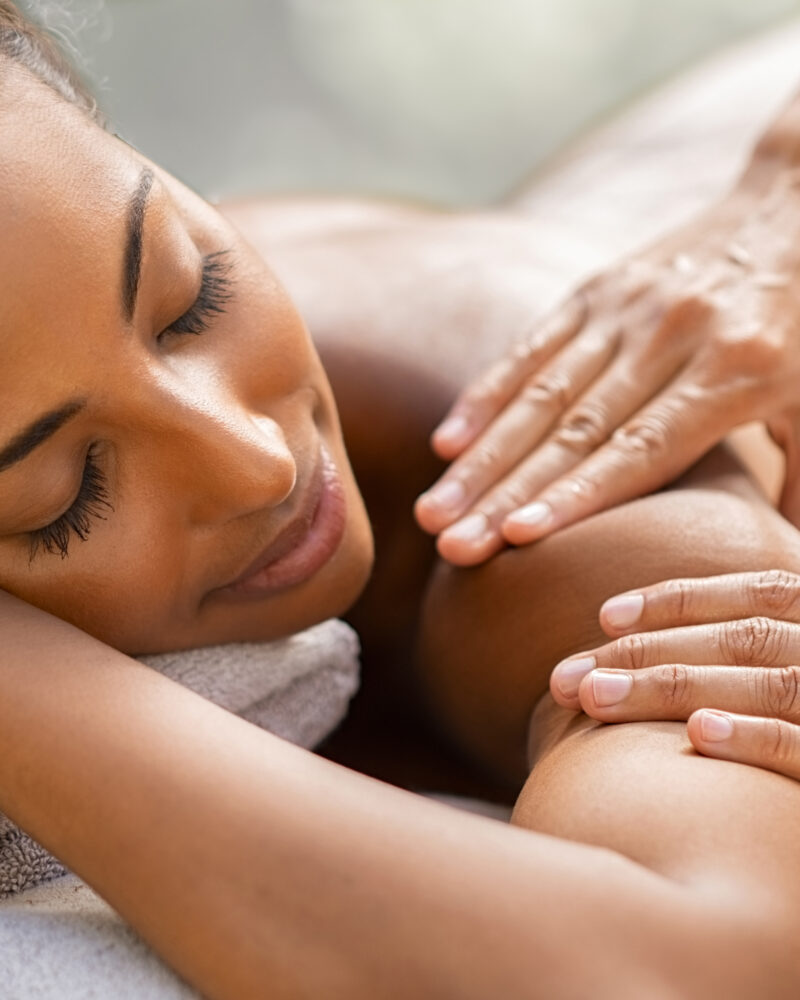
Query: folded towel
298, 688
61, 941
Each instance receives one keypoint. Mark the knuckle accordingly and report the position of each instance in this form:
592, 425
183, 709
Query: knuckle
639, 277
583, 429
549, 391
751, 640
671, 320
646, 438
584, 488
489, 392
630, 652
779, 743
679, 594
544, 332
688, 310
781, 691
484, 460
754, 352
776, 591
674, 685
513, 495
525, 350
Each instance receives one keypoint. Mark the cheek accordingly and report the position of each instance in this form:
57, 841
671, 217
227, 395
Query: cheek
118, 585
268, 348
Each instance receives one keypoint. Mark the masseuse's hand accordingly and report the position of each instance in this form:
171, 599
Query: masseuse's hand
727, 643
629, 382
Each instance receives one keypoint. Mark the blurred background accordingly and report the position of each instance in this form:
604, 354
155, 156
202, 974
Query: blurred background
445, 101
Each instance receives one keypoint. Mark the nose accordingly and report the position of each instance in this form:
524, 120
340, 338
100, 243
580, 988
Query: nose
230, 463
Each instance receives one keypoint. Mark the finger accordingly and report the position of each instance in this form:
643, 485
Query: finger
675, 690
769, 743
773, 593
484, 398
652, 449
611, 398
757, 642
520, 427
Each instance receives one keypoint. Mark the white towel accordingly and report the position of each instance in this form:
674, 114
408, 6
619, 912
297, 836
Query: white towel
298, 688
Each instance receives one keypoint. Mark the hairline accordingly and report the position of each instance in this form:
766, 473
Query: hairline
62, 80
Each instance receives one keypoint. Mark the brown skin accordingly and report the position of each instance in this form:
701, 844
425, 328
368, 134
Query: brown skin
638, 374
301, 856
714, 521
96, 751
387, 291
207, 442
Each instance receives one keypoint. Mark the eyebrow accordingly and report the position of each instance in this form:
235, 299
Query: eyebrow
38, 432
132, 260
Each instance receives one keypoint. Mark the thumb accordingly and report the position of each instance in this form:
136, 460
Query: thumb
785, 432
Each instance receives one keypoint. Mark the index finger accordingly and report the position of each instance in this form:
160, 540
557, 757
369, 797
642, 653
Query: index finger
480, 402
770, 743
774, 593
652, 449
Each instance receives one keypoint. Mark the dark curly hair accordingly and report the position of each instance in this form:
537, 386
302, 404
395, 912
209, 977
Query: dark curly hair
29, 45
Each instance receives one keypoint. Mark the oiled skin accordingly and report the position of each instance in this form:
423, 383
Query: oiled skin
530, 607
653, 873
477, 908
398, 339
395, 363
489, 636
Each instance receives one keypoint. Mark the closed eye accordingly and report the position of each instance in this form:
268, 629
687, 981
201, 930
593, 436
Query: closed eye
212, 299
91, 504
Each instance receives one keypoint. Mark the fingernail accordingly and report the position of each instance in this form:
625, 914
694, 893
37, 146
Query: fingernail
448, 496
453, 427
715, 727
570, 673
622, 612
469, 530
535, 515
610, 689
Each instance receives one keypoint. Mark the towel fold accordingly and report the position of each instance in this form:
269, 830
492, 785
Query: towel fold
298, 688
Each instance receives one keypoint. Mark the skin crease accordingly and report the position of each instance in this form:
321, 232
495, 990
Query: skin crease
207, 442
213, 473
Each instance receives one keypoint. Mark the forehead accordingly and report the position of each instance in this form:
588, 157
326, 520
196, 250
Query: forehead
64, 189
60, 174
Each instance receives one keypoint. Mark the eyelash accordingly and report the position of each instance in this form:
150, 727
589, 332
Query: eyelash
92, 500
90, 503
212, 299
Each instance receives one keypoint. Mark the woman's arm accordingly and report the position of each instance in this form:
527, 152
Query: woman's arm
725, 833
256, 868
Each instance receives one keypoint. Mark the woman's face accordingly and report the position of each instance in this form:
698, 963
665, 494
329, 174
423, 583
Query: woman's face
166, 427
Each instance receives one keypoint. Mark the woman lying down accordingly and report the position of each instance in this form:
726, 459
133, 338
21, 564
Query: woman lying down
174, 474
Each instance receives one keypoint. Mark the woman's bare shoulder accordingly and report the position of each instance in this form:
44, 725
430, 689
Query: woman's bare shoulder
441, 292
266, 221
641, 789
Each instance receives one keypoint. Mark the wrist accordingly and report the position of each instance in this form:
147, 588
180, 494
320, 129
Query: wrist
775, 153
759, 224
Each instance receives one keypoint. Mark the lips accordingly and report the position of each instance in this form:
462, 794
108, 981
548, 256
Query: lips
305, 545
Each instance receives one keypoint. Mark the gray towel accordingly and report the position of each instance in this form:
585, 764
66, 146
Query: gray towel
298, 688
